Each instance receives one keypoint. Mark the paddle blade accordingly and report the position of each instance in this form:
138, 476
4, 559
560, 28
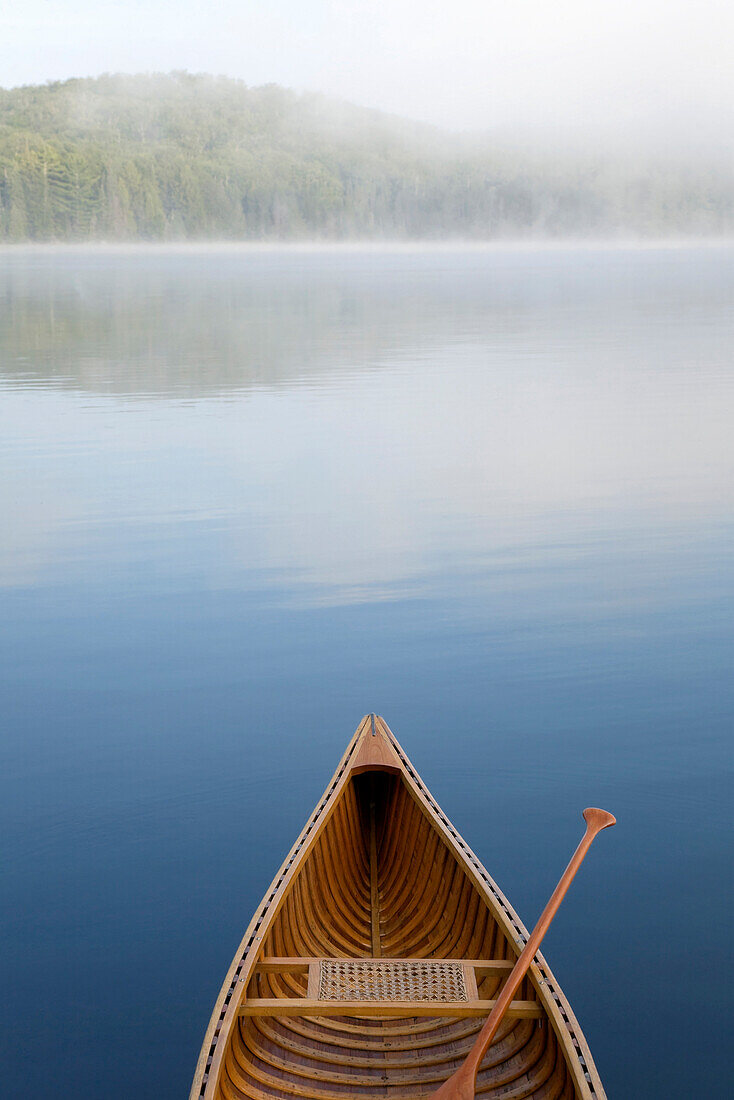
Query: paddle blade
461, 1085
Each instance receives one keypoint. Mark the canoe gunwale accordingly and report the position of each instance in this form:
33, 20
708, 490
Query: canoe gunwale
564, 1023
210, 1058
565, 1026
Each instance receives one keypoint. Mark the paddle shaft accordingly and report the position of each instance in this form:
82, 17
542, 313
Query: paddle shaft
462, 1083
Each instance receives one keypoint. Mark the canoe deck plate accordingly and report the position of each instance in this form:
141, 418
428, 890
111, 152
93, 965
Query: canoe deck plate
354, 980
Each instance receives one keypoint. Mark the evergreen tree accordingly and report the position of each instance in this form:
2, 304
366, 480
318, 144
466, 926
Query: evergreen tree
182, 156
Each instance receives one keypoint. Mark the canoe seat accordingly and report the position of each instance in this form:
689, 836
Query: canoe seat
384, 987
375, 980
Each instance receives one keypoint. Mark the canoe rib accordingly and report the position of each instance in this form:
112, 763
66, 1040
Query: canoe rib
439, 904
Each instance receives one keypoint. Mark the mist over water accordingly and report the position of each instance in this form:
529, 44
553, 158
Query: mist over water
252, 494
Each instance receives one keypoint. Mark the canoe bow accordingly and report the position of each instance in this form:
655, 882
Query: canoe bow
381, 897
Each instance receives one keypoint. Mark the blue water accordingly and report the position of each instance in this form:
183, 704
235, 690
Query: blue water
248, 496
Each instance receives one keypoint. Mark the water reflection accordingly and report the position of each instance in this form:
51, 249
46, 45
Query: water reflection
204, 322
370, 420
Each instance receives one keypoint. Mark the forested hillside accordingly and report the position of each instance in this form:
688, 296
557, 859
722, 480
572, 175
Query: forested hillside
185, 157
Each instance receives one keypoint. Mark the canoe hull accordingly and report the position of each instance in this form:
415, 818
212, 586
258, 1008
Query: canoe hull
380, 873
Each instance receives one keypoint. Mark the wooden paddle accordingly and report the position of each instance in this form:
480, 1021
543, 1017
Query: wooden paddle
461, 1085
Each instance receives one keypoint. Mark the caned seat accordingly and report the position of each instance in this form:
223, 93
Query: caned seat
377, 980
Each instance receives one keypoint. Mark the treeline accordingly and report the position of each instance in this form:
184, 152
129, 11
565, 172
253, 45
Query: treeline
185, 157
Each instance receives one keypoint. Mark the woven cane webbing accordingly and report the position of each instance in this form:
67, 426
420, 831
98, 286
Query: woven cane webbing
355, 980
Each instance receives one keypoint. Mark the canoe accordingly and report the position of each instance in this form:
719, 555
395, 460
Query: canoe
375, 957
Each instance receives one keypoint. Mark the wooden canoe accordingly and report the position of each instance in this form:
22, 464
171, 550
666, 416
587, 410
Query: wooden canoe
375, 957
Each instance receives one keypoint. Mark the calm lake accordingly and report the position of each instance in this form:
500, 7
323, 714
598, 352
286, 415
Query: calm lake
248, 496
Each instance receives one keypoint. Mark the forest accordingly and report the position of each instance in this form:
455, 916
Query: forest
186, 157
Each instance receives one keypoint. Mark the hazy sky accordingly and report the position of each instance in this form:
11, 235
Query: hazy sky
619, 65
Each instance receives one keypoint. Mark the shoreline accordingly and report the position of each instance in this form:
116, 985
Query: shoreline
367, 245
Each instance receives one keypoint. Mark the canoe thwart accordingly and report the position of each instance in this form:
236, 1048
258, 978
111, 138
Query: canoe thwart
308, 1006
299, 964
